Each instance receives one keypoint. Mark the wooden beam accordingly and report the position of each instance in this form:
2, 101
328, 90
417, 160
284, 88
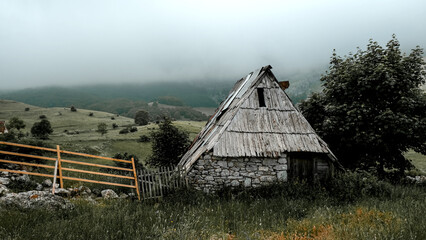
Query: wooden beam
27, 164
96, 173
27, 155
96, 165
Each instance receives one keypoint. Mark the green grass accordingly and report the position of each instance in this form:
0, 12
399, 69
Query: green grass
418, 160
88, 140
195, 216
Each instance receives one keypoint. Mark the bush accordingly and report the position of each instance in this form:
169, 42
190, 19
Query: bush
42, 117
73, 109
144, 138
16, 123
133, 129
350, 186
27, 109
124, 131
168, 144
41, 129
142, 118
114, 125
91, 114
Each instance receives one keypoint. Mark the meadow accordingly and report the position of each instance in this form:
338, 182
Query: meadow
271, 214
353, 207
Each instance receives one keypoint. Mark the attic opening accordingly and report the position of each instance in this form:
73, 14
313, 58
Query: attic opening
261, 97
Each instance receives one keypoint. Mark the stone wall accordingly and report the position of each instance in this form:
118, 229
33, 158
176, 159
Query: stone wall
211, 173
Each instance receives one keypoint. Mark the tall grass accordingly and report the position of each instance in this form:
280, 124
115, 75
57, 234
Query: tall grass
193, 215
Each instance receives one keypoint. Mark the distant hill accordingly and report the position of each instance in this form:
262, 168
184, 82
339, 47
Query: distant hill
126, 99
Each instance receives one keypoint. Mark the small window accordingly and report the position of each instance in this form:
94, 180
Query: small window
261, 97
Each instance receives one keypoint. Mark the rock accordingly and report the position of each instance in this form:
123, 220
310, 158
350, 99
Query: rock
3, 189
23, 178
209, 178
109, 194
47, 183
247, 182
262, 168
4, 181
223, 164
123, 196
62, 192
270, 162
235, 183
35, 200
39, 187
282, 176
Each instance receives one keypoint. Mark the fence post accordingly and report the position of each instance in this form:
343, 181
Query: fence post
54, 175
136, 179
59, 166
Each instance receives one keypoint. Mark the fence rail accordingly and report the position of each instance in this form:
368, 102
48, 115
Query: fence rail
59, 169
154, 183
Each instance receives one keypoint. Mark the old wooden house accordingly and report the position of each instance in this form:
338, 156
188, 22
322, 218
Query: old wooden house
256, 137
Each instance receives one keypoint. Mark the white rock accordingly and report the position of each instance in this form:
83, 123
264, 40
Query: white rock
4, 181
109, 194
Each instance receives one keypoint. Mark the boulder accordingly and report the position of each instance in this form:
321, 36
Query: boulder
47, 183
109, 194
35, 200
4, 181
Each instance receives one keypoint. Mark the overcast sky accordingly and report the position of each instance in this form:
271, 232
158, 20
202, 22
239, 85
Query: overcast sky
88, 41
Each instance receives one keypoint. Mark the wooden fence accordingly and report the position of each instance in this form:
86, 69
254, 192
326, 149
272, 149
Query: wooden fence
58, 168
156, 182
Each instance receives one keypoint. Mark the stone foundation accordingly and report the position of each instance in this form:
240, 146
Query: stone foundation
211, 173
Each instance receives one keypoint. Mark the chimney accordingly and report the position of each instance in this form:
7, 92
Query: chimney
284, 85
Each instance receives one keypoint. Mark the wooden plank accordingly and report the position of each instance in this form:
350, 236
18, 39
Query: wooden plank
100, 182
27, 164
97, 173
94, 156
136, 179
28, 146
26, 173
96, 165
27, 155
60, 166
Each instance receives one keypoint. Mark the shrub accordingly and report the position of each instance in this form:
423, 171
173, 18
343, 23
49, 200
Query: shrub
144, 138
73, 109
42, 117
90, 114
142, 118
16, 123
133, 129
41, 129
124, 131
112, 118
114, 125
27, 109
168, 144
102, 128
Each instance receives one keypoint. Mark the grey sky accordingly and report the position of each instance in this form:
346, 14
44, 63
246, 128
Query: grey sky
87, 41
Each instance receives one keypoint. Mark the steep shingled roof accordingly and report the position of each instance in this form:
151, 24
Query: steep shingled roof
240, 127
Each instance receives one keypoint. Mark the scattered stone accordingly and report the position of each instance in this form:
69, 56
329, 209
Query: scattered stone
62, 192
23, 178
4, 181
235, 183
3, 190
35, 200
47, 183
39, 187
109, 194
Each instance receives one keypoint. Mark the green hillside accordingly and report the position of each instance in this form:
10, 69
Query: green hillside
76, 131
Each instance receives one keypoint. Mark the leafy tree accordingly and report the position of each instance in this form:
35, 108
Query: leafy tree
102, 128
16, 123
142, 118
371, 109
168, 144
41, 129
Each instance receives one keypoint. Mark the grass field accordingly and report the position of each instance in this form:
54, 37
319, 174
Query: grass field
194, 216
76, 131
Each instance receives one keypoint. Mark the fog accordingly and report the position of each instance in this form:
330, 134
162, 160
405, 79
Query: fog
87, 41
